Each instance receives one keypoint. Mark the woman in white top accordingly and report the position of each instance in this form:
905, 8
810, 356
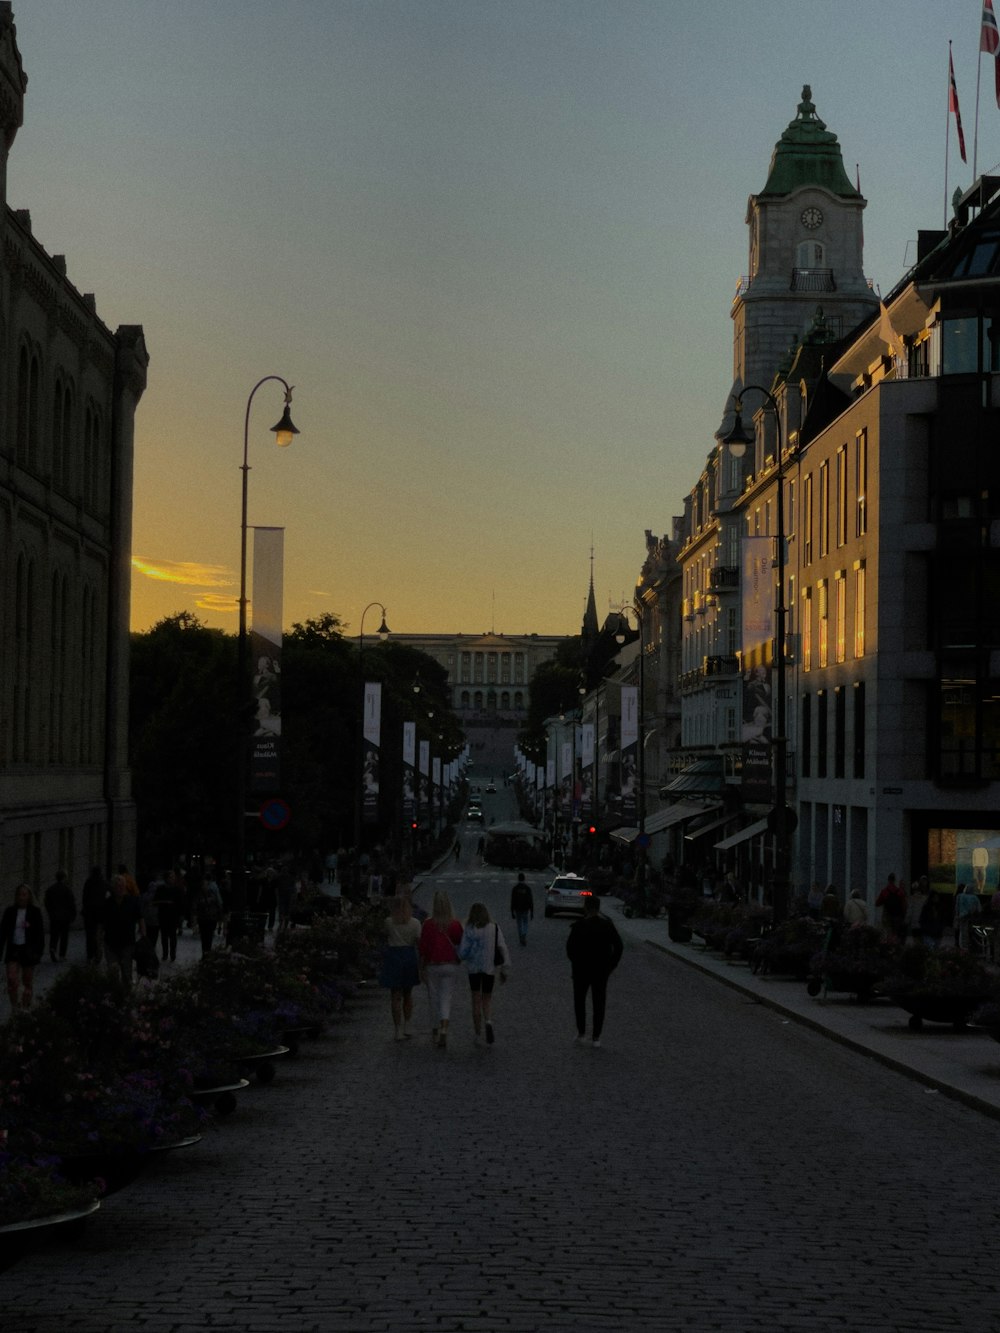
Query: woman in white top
484, 951
400, 964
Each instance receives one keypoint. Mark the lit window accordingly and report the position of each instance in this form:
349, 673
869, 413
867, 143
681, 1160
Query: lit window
860, 596
824, 622
807, 640
841, 610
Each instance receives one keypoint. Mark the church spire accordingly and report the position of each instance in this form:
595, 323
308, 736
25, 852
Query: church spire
590, 628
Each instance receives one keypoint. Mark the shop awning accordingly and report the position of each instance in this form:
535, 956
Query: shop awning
710, 827
664, 819
751, 831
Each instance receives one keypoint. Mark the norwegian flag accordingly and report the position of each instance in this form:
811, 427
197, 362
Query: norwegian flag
989, 41
953, 106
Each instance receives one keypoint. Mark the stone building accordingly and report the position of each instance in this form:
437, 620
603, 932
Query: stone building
488, 674
69, 389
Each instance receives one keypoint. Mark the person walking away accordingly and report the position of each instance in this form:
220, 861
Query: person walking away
168, 900
22, 940
440, 936
915, 904
60, 906
95, 890
148, 910
122, 921
484, 951
594, 949
208, 912
967, 910
892, 901
932, 919
522, 907
400, 963
856, 909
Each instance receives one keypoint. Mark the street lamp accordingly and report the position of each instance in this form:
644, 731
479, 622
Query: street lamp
737, 441
620, 636
383, 632
284, 432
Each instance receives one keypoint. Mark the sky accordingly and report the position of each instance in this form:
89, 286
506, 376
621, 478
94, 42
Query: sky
493, 244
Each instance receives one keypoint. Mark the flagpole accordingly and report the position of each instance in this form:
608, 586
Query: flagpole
947, 136
975, 132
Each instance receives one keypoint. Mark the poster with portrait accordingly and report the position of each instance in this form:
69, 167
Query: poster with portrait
629, 762
265, 659
372, 739
755, 734
409, 773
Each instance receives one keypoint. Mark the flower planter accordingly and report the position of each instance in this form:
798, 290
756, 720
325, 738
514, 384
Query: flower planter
17, 1237
115, 1168
220, 1096
953, 1010
262, 1065
860, 984
187, 1142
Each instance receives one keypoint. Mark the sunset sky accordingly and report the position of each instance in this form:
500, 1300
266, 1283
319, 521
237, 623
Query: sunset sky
492, 243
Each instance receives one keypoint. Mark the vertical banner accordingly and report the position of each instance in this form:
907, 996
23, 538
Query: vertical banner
630, 751
409, 773
587, 768
566, 779
372, 744
265, 657
755, 734
423, 784
757, 591
436, 785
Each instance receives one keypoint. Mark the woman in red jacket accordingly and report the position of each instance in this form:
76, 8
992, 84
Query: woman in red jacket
440, 936
22, 939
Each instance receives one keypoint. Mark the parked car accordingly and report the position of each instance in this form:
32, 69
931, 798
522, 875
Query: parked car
566, 893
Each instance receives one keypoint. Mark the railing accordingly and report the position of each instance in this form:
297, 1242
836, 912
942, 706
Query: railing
722, 666
813, 280
723, 576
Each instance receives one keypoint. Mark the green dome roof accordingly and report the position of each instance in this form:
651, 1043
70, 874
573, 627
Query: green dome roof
807, 154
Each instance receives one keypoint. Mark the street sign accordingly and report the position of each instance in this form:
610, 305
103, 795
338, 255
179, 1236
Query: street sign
275, 814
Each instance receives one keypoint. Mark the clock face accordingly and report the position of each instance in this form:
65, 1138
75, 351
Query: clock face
812, 218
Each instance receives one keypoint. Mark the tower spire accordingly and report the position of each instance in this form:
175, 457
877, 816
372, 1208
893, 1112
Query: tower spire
590, 627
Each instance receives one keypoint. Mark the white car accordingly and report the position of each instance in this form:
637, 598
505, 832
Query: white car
566, 893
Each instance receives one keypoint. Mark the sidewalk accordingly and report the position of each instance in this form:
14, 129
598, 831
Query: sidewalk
964, 1065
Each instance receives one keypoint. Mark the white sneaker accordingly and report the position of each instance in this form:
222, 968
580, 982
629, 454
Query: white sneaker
596, 1041
581, 1037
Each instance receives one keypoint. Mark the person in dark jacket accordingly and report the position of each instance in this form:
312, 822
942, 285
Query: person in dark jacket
95, 891
122, 919
60, 904
594, 948
522, 906
22, 940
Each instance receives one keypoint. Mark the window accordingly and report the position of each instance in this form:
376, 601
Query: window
860, 608
839, 731
959, 346
807, 520
821, 733
823, 615
842, 495
859, 729
807, 622
806, 729
466, 668
824, 509
840, 586
861, 484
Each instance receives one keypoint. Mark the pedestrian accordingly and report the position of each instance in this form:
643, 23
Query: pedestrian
168, 899
830, 908
967, 909
914, 909
95, 890
522, 907
60, 907
149, 911
458, 849
400, 963
208, 912
22, 940
440, 937
131, 884
892, 901
594, 949
122, 922
484, 951
856, 909
814, 901
932, 919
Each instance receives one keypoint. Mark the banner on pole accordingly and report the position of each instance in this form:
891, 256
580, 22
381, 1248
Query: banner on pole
265, 657
372, 733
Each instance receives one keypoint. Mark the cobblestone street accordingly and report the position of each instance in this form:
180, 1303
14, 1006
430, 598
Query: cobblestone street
712, 1166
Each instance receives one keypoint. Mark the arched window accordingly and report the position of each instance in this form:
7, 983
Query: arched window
24, 613
505, 700
810, 254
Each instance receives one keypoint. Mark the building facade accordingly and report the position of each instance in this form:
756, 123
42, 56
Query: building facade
488, 674
69, 389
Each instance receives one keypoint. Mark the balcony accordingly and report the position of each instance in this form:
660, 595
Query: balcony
723, 576
813, 280
722, 666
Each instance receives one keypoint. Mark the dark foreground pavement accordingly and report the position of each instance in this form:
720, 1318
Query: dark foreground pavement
714, 1166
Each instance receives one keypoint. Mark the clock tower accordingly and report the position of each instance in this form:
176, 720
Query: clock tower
806, 242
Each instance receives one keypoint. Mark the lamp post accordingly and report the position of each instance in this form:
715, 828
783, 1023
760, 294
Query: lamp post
284, 432
383, 632
640, 809
737, 441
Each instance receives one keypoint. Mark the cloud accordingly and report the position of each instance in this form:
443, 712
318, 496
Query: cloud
211, 601
188, 573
